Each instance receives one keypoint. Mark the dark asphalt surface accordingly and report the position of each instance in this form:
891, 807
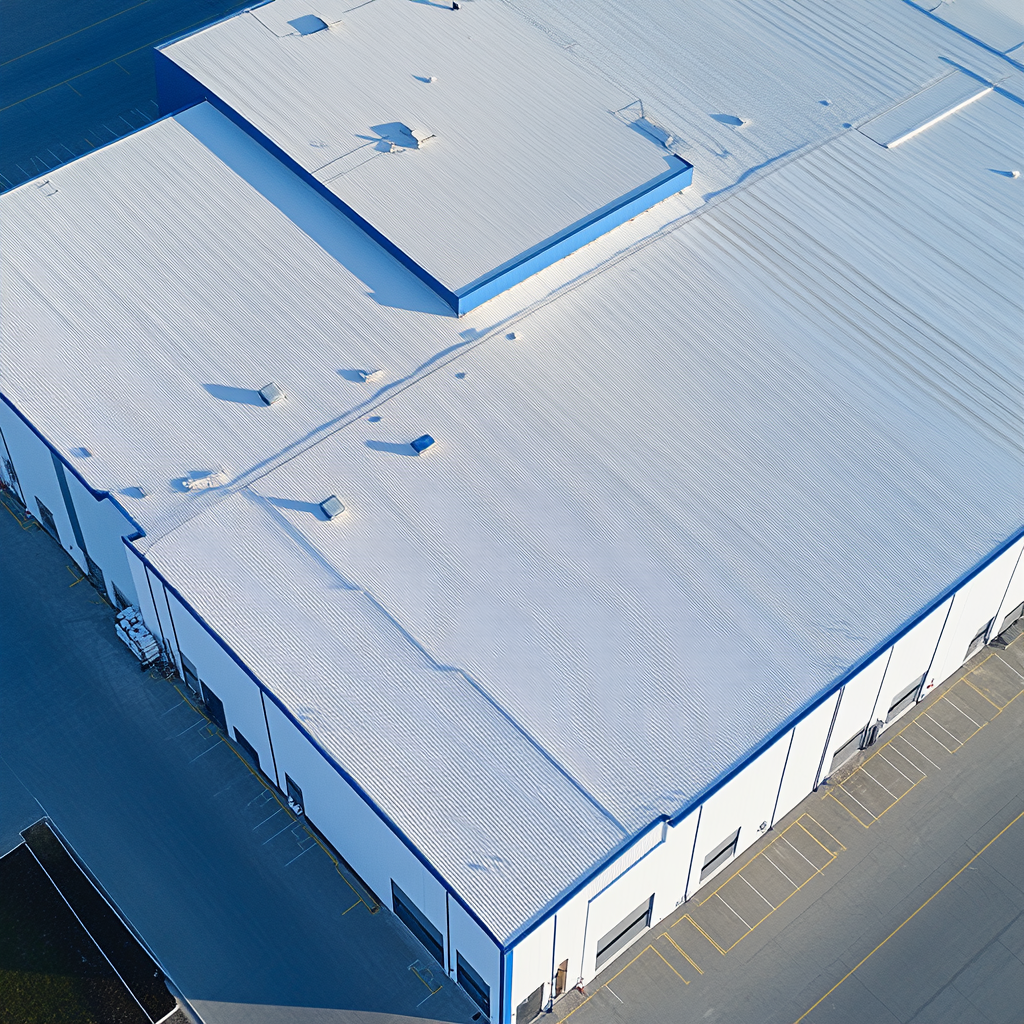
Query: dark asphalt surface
77, 76
247, 915
916, 917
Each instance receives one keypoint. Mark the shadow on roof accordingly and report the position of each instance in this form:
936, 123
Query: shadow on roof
387, 281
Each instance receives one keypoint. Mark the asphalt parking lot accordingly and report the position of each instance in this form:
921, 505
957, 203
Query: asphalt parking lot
247, 912
895, 893
77, 76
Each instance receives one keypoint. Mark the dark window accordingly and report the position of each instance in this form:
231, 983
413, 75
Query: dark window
46, 518
978, 642
416, 921
561, 976
247, 747
1011, 618
719, 855
847, 750
294, 794
120, 600
529, 1008
191, 675
905, 698
96, 575
625, 931
215, 706
479, 991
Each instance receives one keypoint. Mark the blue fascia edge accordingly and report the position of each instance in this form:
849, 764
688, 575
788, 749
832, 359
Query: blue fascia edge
184, 90
575, 237
188, 89
139, 532
366, 798
790, 723
210, 24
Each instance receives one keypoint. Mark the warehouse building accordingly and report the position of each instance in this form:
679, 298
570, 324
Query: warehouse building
548, 465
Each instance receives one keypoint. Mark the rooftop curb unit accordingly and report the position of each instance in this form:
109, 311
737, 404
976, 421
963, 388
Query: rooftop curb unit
524, 163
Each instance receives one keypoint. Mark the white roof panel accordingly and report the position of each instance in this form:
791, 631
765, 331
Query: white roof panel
523, 141
649, 531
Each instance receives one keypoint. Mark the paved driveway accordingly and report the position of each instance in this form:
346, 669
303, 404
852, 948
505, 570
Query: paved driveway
246, 912
894, 894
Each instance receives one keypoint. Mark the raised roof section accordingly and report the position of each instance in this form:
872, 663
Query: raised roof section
471, 146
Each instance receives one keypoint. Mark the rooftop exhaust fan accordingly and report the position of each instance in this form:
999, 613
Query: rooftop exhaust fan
421, 444
272, 394
332, 507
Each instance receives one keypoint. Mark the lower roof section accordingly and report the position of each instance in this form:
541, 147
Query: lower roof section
682, 501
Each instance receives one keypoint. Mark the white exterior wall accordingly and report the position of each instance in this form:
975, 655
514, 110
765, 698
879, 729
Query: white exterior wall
103, 526
765, 790
37, 477
1014, 591
974, 604
805, 761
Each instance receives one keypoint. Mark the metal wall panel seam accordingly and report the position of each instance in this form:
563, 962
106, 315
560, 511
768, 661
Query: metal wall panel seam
367, 799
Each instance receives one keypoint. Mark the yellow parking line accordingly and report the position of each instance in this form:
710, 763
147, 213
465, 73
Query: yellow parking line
976, 690
845, 808
912, 916
617, 973
682, 953
831, 853
704, 933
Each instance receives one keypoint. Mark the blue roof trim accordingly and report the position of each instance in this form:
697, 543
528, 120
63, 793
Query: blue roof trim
98, 495
798, 716
583, 232
323, 753
216, 21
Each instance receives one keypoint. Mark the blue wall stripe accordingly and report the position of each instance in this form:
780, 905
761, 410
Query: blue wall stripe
62, 480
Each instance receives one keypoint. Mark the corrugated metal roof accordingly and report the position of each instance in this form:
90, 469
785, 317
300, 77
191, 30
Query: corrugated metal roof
692, 492
523, 141
734, 444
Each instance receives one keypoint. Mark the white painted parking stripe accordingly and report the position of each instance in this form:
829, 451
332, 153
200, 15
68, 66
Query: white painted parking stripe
894, 768
745, 925
962, 712
856, 801
921, 752
930, 736
896, 750
769, 902
781, 872
796, 851
959, 742
877, 783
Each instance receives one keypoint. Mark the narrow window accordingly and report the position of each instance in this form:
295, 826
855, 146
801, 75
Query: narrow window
847, 750
416, 921
625, 931
214, 705
561, 976
46, 518
1012, 617
96, 575
905, 698
191, 675
294, 794
719, 855
479, 991
529, 1008
978, 642
249, 749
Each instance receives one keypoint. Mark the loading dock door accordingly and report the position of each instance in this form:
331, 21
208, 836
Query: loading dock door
215, 706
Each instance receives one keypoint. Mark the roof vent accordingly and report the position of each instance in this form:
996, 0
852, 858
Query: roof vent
421, 444
365, 376
271, 394
332, 507
421, 135
201, 483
